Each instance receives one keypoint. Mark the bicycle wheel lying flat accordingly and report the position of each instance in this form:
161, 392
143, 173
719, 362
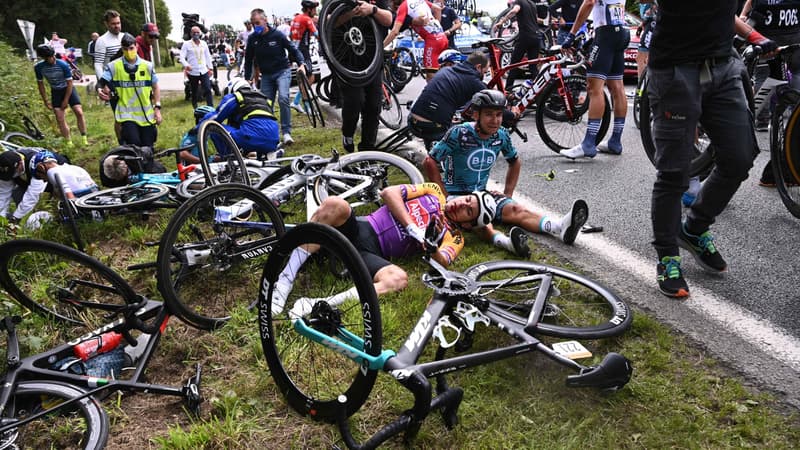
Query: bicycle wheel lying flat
123, 197
382, 168
310, 375
216, 143
785, 153
210, 256
353, 47
576, 306
83, 424
62, 283
558, 129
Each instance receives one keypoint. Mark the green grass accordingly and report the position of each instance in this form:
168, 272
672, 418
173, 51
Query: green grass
679, 397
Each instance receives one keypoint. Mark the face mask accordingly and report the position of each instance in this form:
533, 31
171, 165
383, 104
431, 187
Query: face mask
258, 29
130, 54
196, 36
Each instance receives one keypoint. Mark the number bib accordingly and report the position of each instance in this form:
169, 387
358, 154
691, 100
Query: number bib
609, 12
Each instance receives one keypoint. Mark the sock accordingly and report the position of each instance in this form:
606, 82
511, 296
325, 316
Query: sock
296, 261
616, 135
548, 225
297, 98
303, 306
503, 241
593, 127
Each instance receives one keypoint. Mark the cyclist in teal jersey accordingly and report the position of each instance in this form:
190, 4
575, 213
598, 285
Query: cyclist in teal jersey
467, 154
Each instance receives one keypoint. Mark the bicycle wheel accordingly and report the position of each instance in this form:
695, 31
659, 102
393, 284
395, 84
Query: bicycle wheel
391, 112
310, 375
637, 99
504, 29
31, 129
210, 255
69, 214
313, 110
18, 138
323, 88
343, 177
703, 156
189, 187
352, 47
395, 141
81, 425
401, 68
123, 197
785, 153
576, 307
62, 283
560, 130
216, 144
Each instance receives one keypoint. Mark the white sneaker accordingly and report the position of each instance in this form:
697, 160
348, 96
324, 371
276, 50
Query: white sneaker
604, 148
298, 107
572, 221
287, 139
577, 152
302, 307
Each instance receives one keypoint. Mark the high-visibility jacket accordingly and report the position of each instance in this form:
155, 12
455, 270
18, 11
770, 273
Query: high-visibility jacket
134, 91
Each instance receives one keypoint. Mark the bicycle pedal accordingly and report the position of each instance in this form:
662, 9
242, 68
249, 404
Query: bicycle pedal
191, 392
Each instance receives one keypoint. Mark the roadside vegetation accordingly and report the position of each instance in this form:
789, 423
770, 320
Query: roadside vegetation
679, 397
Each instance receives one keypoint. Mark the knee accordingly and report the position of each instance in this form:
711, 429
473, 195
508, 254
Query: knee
333, 211
676, 181
396, 278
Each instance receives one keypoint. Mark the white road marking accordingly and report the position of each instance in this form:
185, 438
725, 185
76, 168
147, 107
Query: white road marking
758, 331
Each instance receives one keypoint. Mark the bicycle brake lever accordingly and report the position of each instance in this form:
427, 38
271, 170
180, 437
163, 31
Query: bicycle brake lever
438, 332
470, 315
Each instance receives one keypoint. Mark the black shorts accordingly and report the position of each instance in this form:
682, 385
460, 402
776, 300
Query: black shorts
57, 96
359, 231
307, 57
607, 56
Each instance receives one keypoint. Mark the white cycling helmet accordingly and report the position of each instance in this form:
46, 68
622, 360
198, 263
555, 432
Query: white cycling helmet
236, 85
487, 206
450, 56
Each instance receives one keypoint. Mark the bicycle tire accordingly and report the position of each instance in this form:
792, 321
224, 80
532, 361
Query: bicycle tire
579, 308
785, 154
558, 131
83, 425
391, 115
353, 48
123, 197
384, 168
323, 88
703, 158
313, 110
62, 283
311, 377
233, 170
401, 68
31, 129
637, 99
15, 137
204, 270
69, 215
505, 29
395, 141
189, 187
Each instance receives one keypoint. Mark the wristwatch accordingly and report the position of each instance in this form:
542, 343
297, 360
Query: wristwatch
157, 105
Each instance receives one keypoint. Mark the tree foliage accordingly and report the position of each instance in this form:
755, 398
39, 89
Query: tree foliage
75, 20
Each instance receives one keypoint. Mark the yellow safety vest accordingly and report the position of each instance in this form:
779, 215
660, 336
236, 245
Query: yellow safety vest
134, 90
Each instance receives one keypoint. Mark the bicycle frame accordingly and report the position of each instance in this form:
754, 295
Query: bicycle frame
36, 367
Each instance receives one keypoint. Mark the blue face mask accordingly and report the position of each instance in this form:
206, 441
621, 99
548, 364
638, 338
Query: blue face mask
258, 29
196, 36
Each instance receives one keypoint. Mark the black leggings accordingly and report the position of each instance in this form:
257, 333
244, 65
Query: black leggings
364, 102
526, 45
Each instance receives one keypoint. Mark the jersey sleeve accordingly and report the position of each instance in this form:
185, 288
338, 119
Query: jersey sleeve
508, 149
452, 244
445, 146
65, 69
402, 12
37, 69
412, 191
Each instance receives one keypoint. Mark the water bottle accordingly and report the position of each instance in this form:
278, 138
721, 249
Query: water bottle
522, 90
96, 345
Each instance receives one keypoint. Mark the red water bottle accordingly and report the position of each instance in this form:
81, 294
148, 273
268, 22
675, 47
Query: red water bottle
96, 345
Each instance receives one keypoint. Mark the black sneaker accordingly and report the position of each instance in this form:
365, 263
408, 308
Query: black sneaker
670, 278
703, 249
519, 238
348, 144
767, 177
572, 222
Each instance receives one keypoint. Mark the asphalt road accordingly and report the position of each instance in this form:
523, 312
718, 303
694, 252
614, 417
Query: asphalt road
748, 317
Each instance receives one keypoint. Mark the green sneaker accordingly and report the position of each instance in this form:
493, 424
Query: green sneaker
703, 249
670, 278
85, 140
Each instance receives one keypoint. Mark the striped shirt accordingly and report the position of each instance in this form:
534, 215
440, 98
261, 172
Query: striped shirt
56, 74
105, 48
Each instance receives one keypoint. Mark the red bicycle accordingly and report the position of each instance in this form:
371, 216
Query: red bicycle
558, 92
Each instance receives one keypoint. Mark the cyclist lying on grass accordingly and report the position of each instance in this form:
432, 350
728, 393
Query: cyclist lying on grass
469, 151
396, 229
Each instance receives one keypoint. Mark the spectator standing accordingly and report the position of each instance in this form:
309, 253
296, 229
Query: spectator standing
135, 84
451, 23
285, 27
528, 37
197, 66
90, 47
605, 66
58, 45
566, 11
107, 45
62, 92
144, 41
695, 75
241, 42
267, 48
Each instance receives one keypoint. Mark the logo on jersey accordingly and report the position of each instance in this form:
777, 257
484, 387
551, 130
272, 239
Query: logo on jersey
418, 213
481, 160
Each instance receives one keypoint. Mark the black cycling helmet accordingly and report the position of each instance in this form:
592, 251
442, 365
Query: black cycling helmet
45, 51
8, 164
127, 40
488, 98
307, 4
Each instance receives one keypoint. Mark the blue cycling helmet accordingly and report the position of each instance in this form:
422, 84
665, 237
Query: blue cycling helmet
450, 56
201, 111
42, 156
